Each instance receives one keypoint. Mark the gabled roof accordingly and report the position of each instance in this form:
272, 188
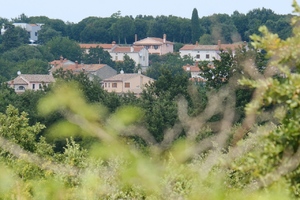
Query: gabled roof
33, 78
152, 41
104, 46
123, 77
127, 49
81, 67
199, 47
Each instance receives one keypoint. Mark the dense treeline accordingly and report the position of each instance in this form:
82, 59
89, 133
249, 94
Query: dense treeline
228, 28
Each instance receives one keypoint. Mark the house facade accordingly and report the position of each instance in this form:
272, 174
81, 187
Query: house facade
34, 82
155, 45
139, 54
123, 83
207, 52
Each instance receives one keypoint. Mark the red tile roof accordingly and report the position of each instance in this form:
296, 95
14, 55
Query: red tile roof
190, 68
212, 47
89, 46
127, 49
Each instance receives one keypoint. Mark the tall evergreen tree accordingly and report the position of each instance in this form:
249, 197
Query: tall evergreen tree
195, 26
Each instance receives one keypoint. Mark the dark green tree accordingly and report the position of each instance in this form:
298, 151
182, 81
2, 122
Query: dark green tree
63, 46
33, 66
46, 34
23, 53
127, 65
195, 26
14, 37
97, 55
123, 28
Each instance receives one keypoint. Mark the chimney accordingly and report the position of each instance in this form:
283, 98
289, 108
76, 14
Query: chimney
76, 64
197, 43
164, 38
219, 44
131, 49
61, 59
135, 37
121, 72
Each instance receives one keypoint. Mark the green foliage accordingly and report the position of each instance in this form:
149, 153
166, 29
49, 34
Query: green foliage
123, 28
63, 46
46, 34
97, 55
14, 37
127, 65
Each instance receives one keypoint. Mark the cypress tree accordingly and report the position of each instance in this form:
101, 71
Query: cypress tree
195, 26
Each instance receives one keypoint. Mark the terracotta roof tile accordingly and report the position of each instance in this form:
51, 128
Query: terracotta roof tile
127, 49
104, 46
122, 77
191, 68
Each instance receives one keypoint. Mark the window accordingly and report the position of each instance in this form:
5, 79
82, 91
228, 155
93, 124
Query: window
198, 56
40, 86
105, 85
155, 47
147, 46
207, 56
116, 58
21, 88
36, 34
33, 86
114, 85
127, 85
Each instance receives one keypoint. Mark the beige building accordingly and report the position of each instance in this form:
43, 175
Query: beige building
123, 83
30, 82
155, 45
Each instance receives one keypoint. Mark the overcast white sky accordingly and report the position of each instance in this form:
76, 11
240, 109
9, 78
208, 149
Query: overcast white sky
76, 10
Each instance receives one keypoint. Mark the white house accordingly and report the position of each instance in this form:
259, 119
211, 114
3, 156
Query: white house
32, 30
137, 53
207, 52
